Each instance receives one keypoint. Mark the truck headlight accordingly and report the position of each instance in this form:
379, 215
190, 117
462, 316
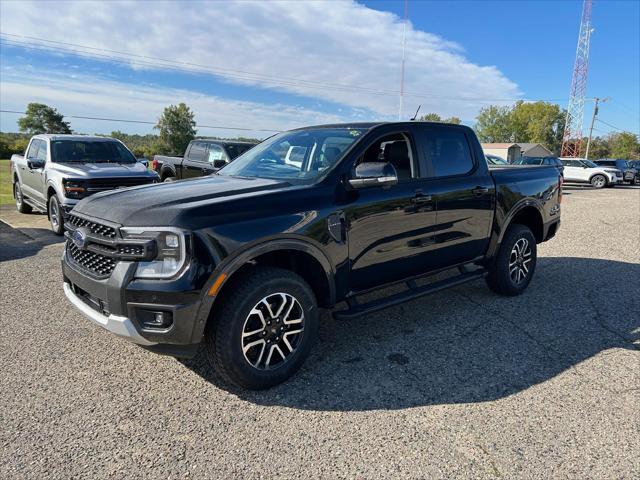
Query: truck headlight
171, 250
74, 188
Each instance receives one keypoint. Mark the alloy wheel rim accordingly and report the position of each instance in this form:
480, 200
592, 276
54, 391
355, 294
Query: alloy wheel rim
53, 214
272, 331
599, 181
520, 261
18, 193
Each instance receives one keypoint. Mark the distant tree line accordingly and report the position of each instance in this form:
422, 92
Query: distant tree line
176, 128
523, 122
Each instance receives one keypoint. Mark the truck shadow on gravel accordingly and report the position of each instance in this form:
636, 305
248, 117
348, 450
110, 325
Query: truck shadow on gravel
15, 244
467, 345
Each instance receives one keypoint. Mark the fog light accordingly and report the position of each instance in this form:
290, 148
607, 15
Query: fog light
155, 319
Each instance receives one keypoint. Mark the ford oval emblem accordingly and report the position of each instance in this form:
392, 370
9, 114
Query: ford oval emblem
79, 238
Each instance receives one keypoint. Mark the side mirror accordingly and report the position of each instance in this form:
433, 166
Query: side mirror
219, 163
373, 174
144, 161
35, 163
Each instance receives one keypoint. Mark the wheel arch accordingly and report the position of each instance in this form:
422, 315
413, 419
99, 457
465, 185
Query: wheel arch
529, 214
299, 256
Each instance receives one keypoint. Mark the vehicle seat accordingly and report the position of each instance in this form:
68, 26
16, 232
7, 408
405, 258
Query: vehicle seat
396, 154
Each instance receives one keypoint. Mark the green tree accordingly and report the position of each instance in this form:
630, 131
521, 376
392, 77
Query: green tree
177, 128
41, 118
624, 145
434, 117
537, 122
493, 124
599, 148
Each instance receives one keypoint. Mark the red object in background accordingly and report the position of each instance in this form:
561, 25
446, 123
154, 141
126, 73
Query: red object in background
154, 164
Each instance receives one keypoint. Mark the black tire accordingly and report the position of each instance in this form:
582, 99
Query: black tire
598, 181
225, 343
500, 278
20, 205
56, 216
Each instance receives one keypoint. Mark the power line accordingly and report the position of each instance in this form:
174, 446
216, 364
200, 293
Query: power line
149, 61
217, 127
609, 125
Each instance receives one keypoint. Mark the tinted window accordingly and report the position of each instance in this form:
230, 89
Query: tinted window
215, 153
571, 163
90, 151
42, 151
448, 151
197, 152
33, 149
394, 149
235, 150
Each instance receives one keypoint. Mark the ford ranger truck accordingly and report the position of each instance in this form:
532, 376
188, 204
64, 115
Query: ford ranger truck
240, 262
57, 171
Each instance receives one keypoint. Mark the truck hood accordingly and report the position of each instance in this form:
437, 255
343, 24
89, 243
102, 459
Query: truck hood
164, 204
101, 170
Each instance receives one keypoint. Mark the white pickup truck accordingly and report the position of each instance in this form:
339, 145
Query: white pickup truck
57, 171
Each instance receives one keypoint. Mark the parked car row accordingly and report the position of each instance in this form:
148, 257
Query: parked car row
598, 173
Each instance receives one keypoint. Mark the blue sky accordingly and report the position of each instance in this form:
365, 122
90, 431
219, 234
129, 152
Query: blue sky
274, 65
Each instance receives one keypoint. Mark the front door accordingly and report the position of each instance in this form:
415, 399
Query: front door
196, 160
389, 229
33, 178
575, 171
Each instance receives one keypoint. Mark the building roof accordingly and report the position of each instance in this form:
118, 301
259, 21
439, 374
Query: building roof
527, 146
499, 145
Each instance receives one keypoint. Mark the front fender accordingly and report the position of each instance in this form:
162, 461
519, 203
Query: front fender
234, 262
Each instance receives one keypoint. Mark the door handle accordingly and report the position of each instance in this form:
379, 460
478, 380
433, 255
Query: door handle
480, 191
420, 198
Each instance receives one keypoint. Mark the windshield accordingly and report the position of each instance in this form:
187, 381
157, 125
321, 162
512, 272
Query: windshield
590, 164
299, 156
87, 151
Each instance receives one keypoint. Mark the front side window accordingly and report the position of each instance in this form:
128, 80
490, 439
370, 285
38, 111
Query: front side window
87, 151
234, 150
42, 151
448, 152
33, 149
394, 149
197, 152
216, 153
299, 156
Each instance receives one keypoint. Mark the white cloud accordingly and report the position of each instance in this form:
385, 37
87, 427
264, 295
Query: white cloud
339, 43
95, 97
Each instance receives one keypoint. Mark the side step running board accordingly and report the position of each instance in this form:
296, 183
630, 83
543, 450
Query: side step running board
413, 291
35, 205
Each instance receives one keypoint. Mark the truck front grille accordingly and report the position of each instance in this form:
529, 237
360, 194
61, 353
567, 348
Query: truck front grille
97, 228
99, 265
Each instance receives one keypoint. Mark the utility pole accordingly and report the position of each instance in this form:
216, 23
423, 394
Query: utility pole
593, 119
404, 44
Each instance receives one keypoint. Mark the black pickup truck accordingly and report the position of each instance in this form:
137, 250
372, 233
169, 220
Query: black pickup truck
241, 261
202, 157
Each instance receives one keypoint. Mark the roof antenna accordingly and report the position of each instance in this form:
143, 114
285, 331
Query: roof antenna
416, 114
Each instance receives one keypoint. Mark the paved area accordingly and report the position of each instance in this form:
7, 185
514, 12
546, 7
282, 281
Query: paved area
458, 384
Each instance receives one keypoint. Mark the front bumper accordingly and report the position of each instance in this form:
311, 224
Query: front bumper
121, 326
117, 304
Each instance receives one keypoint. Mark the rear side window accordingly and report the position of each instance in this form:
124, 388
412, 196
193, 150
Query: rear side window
447, 150
215, 153
197, 152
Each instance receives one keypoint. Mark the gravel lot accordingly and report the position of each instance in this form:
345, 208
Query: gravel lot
458, 384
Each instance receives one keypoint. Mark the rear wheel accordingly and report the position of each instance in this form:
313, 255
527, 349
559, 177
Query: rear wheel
515, 262
55, 215
598, 181
169, 179
20, 205
264, 329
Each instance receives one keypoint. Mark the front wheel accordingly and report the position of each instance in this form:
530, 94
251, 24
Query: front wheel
21, 206
55, 215
515, 262
264, 329
598, 181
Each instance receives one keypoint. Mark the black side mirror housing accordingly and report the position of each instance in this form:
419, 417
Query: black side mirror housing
373, 174
219, 163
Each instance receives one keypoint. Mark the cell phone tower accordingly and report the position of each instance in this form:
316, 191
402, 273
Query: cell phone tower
572, 137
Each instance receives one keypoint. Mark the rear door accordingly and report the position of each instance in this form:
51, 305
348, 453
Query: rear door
463, 190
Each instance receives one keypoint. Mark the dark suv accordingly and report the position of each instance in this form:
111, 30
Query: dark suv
540, 161
631, 174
